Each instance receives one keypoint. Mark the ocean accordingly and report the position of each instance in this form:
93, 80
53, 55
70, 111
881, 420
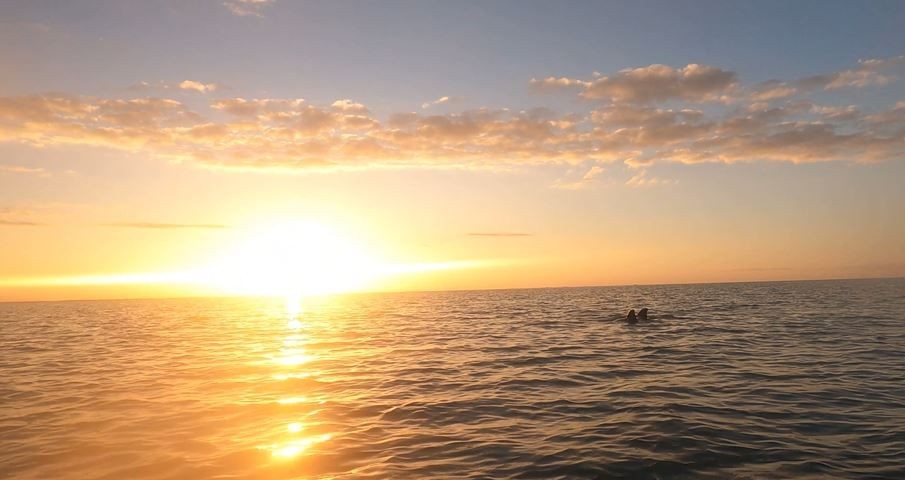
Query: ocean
801, 380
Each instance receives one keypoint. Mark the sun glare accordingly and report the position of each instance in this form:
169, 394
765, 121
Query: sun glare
294, 259
290, 259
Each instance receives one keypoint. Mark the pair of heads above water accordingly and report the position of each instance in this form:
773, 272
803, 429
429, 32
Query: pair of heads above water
633, 318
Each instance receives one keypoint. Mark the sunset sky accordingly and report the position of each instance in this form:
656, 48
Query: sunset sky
186, 147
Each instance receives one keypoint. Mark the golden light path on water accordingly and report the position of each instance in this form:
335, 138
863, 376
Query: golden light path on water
293, 355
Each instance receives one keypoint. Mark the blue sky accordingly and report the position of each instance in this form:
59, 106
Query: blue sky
396, 54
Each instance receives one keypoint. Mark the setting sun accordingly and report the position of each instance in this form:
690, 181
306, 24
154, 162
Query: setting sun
283, 258
292, 259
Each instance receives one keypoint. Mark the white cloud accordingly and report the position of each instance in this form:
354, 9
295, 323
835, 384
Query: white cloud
198, 86
445, 100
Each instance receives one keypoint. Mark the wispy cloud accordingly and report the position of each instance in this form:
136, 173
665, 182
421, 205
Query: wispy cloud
244, 8
588, 178
19, 223
165, 226
759, 269
870, 72
163, 87
19, 169
641, 179
500, 234
444, 100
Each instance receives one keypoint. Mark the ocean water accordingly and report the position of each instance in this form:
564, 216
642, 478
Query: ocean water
744, 381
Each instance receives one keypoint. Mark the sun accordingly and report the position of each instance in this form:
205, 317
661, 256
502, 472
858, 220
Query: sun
290, 259
293, 259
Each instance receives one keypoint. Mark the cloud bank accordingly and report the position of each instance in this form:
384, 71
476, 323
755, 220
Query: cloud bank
638, 116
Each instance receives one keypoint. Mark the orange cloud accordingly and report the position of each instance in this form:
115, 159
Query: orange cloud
651, 84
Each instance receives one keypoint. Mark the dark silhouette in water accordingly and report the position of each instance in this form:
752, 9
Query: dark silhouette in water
631, 318
642, 315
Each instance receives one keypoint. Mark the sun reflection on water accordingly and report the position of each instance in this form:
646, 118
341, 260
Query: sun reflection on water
300, 375
292, 340
293, 306
294, 448
292, 440
294, 358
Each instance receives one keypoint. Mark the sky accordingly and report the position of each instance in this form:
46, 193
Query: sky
176, 147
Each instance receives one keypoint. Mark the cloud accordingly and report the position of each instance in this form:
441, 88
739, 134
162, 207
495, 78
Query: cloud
772, 90
763, 123
838, 114
244, 8
499, 234
652, 83
266, 107
759, 269
641, 179
24, 170
198, 86
144, 87
588, 178
870, 72
18, 216
18, 223
348, 106
445, 100
561, 83
166, 226
161, 87
703, 83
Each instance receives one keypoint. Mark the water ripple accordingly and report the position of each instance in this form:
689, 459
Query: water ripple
735, 381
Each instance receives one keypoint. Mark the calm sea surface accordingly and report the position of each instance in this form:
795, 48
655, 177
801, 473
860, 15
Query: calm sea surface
759, 380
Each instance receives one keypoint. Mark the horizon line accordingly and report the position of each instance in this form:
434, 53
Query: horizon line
552, 287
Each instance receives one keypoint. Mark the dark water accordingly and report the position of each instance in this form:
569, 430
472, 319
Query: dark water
765, 380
